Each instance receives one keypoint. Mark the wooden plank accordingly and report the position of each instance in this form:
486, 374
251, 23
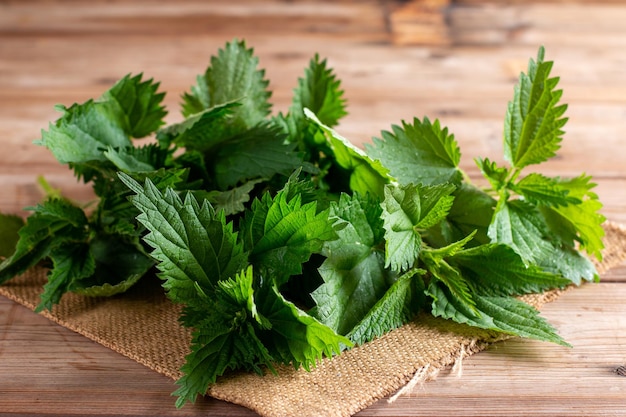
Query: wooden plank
488, 22
38, 18
419, 22
67, 373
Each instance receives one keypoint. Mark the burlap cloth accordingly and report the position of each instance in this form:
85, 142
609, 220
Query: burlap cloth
143, 325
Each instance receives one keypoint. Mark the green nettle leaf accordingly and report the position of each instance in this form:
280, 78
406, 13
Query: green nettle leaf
200, 131
471, 212
353, 272
225, 336
522, 227
566, 261
144, 159
503, 314
138, 105
496, 175
282, 234
519, 225
231, 201
498, 270
435, 263
582, 221
193, 244
394, 309
126, 162
366, 175
421, 152
120, 263
215, 348
9, 230
232, 75
259, 152
83, 133
534, 119
541, 190
71, 263
240, 327
407, 211
305, 188
52, 223
319, 91
296, 337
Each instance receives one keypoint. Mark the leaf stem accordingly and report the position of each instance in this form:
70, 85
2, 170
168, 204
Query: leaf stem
516, 173
48, 190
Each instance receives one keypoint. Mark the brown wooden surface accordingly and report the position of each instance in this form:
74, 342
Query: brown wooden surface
68, 51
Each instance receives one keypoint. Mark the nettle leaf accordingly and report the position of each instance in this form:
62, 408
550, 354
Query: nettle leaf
71, 263
240, 292
319, 91
126, 161
193, 244
216, 348
522, 227
353, 271
199, 131
582, 221
394, 309
305, 188
53, 223
366, 175
471, 212
83, 133
241, 327
566, 261
131, 108
295, 337
496, 175
534, 119
503, 314
436, 263
120, 262
145, 158
407, 211
281, 234
231, 201
498, 270
519, 225
225, 337
421, 152
542, 190
258, 152
232, 75
9, 230
137, 104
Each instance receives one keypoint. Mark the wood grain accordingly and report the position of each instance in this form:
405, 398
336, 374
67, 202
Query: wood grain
54, 51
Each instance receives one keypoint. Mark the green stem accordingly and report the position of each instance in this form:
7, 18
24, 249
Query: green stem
48, 190
516, 173
466, 177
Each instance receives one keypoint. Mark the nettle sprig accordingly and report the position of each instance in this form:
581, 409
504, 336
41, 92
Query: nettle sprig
284, 242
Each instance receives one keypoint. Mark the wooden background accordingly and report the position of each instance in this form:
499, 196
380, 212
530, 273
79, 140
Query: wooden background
452, 60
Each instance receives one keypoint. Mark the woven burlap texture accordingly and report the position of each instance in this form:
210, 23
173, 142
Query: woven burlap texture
143, 325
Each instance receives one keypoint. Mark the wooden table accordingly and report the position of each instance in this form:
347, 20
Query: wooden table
456, 61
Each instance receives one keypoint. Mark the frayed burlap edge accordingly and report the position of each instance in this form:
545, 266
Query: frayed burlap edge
143, 325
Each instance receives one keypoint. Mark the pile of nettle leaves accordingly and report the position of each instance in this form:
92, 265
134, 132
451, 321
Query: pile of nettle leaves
286, 243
